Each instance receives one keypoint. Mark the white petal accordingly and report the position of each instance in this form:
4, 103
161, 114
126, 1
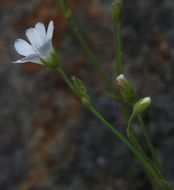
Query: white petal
34, 38
23, 47
34, 58
46, 50
50, 30
41, 30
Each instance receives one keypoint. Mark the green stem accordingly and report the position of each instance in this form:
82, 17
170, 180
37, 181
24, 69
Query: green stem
132, 136
149, 143
117, 133
150, 170
124, 110
66, 79
146, 164
148, 167
153, 151
98, 67
84, 44
90, 54
87, 50
118, 48
131, 133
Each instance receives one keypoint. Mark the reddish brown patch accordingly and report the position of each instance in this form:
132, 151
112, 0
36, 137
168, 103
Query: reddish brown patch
7, 2
160, 43
31, 67
49, 134
36, 178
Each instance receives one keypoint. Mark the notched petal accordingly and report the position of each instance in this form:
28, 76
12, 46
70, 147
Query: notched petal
41, 30
50, 30
34, 58
23, 47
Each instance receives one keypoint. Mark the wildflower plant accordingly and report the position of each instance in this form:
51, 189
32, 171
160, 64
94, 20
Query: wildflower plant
41, 51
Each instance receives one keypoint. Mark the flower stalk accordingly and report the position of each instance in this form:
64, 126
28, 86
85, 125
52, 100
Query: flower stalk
93, 60
117, 18
159, 180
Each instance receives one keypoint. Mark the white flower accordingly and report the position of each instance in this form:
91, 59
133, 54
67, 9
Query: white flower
40, 47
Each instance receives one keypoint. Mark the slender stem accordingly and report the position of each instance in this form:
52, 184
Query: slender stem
92, 57
145, 162
85, 45
93, 60
118, 48
161, 181
117, 133
153, 151
149, 143
66, 79
132, 136
154, 172
87, 50
129, 124
124, 110
147, 165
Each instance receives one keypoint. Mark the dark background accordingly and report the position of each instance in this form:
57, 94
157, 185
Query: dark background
48, 140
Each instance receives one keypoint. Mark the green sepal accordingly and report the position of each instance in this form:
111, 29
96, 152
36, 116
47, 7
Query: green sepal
127, 90
53, 62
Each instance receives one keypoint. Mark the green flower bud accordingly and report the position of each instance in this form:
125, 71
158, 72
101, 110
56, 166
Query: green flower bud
53, 62
117, 10
81, 90
141, 105
127, 90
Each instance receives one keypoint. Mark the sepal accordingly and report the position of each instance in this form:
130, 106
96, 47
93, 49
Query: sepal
53, 62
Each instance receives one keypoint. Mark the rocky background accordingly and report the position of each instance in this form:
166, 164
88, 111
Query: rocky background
48, 141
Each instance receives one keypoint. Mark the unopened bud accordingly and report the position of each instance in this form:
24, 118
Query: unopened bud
127, 90
141, 105
117, 10
121, 79
80, 89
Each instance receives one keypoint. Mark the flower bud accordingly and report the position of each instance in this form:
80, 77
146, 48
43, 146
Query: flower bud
80, 89
117, 10
120, 79
127, 90
141, 105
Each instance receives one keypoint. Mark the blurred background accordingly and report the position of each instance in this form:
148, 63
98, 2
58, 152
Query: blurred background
48, 140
